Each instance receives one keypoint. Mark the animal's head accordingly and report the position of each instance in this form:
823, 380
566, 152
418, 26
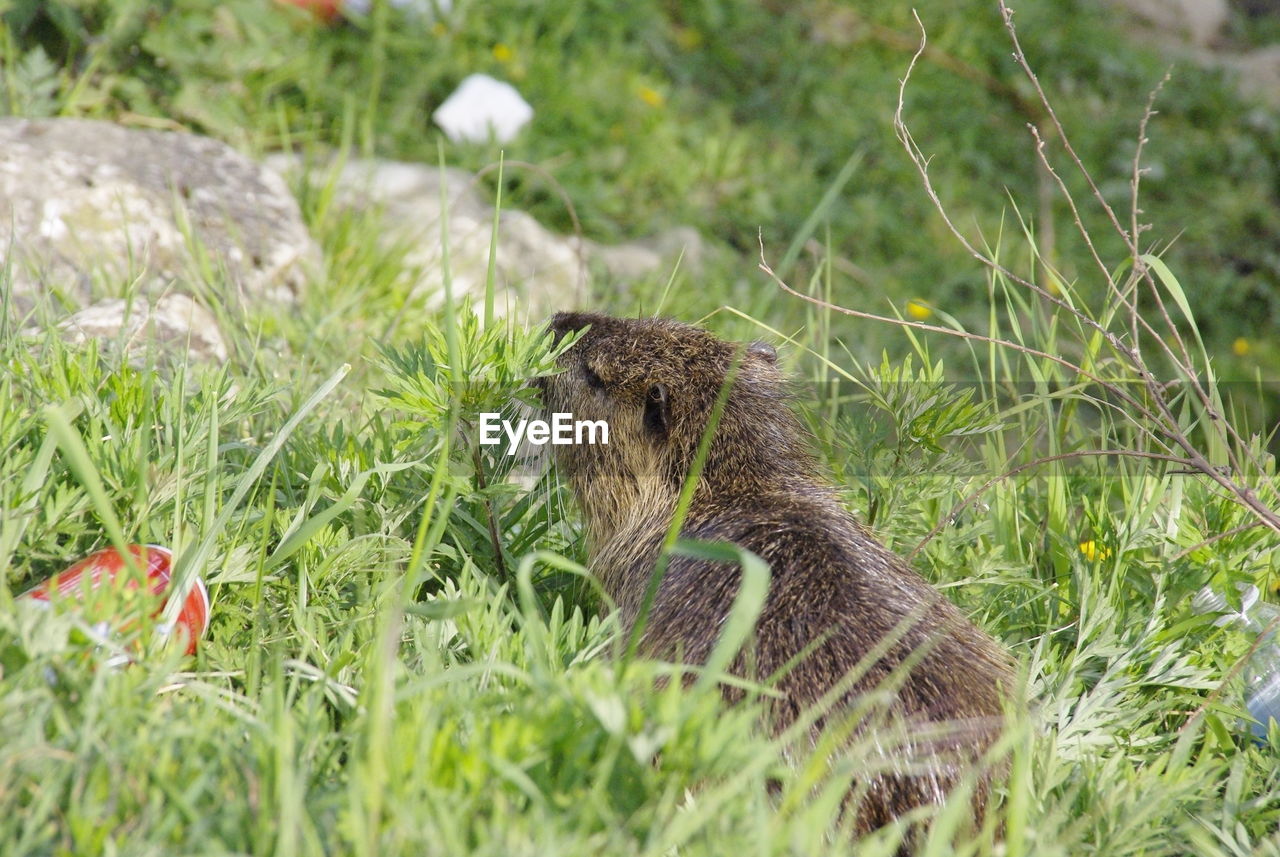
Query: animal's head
655, 381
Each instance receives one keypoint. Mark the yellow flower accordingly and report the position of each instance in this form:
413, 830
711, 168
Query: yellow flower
652, 97
688, 38
1053, 285
502, 53
1240, 347
439, 29
918, 309
1093, 551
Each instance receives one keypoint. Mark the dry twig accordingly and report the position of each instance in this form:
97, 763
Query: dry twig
1158, 422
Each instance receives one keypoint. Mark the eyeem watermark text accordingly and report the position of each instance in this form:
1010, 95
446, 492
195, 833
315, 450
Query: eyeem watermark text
563, 429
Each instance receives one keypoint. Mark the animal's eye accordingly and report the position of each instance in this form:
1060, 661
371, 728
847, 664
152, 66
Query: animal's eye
594, 381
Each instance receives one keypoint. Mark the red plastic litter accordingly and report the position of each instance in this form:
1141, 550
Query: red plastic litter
105, 565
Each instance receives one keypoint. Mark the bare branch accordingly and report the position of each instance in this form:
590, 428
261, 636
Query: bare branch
1165, 423
961, 334
1136, 229
921, 163
1131, 243
1075, 212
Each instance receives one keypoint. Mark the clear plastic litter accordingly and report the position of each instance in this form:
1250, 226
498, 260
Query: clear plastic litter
1262, 672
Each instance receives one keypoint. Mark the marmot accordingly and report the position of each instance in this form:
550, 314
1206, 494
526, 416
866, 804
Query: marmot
835, 592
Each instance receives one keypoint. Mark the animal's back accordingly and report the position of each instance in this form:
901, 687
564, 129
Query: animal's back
843, 612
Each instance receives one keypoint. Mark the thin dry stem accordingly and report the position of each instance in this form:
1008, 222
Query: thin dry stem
1075, 212
1125, 297
1115, 390
922, 166
1131, 243
1130, 304
1216, 537
1166, 423
1136, 229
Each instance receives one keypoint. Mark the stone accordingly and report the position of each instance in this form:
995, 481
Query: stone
1258, 74
537, 271
88, 207
648, 257
176, 324
534, 268
1200, 22
1197, 30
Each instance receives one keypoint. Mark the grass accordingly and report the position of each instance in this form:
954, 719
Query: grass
406, 654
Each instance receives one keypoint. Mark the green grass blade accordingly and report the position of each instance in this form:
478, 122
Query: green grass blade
195, 558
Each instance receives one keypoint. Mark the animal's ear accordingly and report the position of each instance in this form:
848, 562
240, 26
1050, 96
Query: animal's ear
764, 351
657, 411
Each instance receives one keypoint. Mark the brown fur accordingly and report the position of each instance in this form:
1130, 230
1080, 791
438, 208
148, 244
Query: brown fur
834, 588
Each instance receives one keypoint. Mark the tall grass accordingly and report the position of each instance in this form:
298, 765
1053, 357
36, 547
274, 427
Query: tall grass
404, 657
341, 704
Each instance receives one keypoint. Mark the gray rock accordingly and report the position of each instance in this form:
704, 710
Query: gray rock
534, 268
654, 256
1258, 74
1195, 30
1200, 22
84, 201
175, 323
537, 271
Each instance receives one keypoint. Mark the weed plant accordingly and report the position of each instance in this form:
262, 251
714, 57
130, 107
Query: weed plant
406, 654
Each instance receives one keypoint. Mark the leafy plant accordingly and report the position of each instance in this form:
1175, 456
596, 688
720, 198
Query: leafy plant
495, 519
31, 85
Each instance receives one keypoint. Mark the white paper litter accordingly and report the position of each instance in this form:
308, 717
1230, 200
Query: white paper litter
482, 108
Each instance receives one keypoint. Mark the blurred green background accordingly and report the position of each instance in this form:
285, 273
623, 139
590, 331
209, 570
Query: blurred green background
735, 118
